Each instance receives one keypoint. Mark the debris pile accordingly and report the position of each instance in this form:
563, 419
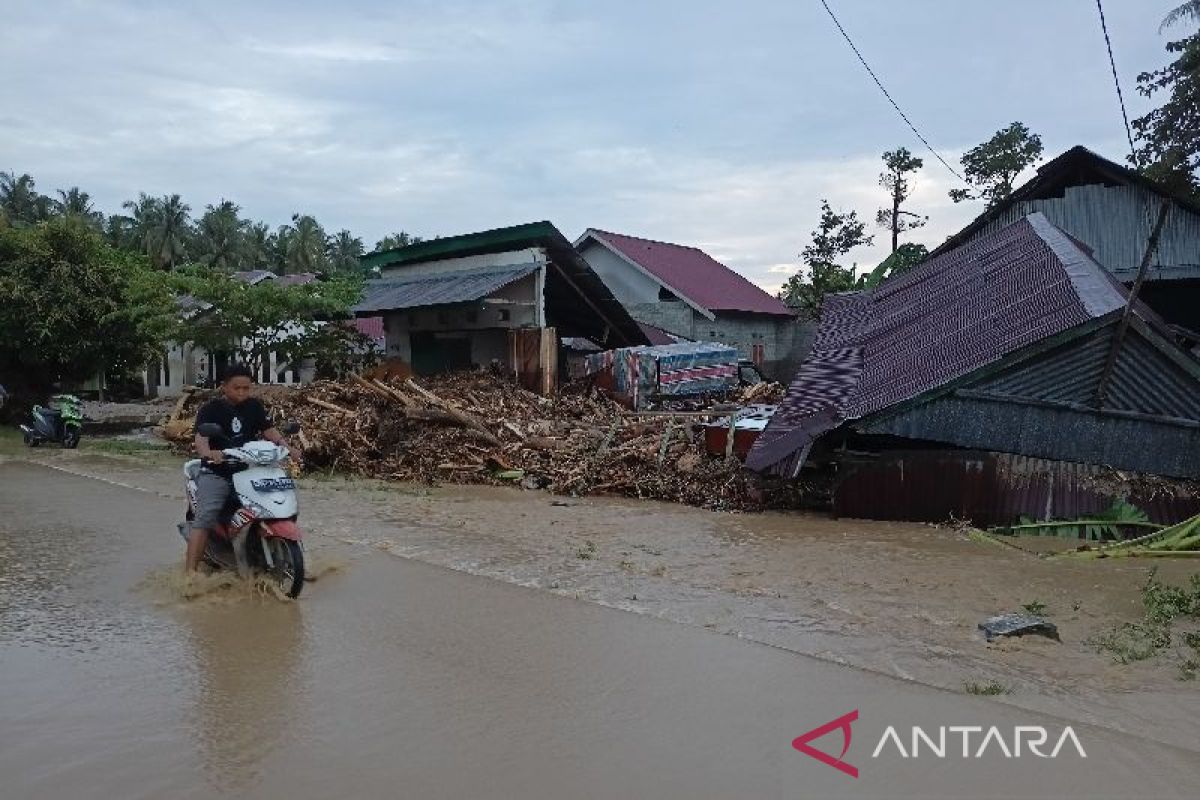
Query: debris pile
480, 428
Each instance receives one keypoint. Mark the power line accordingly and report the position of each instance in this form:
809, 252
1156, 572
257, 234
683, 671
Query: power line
871, 72
1116, 81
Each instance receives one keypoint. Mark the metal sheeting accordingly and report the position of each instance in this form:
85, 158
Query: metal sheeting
1115, 221
996, 489
388, 294
1143, 380
947, 318
1144, 445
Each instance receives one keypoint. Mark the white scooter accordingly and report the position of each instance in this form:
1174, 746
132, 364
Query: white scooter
258, 531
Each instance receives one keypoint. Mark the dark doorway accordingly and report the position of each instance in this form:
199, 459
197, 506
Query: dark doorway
432, 354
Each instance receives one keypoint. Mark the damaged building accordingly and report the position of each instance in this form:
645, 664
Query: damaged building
499, 297
1006, 377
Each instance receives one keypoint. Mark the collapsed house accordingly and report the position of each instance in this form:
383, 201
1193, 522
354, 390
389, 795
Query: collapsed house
1112, 209
499, 297
1003, 378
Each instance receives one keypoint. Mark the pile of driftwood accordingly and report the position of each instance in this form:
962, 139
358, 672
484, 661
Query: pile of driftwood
480, 428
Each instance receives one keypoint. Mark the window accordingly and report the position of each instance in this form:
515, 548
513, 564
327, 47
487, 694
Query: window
505, 315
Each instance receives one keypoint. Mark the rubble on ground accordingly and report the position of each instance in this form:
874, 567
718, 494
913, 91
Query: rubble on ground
480, 428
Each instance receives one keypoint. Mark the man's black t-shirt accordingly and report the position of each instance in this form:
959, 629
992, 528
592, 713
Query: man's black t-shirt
241, 423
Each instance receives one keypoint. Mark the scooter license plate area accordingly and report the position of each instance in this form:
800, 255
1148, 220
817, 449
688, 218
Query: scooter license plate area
273, 485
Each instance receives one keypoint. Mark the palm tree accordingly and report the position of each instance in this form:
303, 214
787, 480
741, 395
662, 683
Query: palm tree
395, 240
345, 249
20, 201
143, 218
168, 239
75, 202
220, 236
257, 247
306, 245
1189, 10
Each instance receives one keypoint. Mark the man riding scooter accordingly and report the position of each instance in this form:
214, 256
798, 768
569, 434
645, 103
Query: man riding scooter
242, 419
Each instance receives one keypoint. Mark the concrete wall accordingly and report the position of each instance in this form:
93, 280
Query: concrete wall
785, 341
627, 283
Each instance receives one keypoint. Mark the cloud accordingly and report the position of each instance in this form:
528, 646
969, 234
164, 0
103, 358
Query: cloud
332, 50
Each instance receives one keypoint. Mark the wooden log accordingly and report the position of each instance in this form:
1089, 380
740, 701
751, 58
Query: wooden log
516, 431
316, 401
393, 392
468, 420
177, 411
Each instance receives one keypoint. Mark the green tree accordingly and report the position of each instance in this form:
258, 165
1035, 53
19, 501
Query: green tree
258, 247
1188, 11
220, 237
345, 250
901, 260
305, 245
162, 228
395, 240
169, 237
836, 235
899, 163
75, 202
20, 201
1169, 136
253, 321
992, 167
71, 306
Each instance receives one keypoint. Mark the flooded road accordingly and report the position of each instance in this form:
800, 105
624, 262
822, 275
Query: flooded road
396, 678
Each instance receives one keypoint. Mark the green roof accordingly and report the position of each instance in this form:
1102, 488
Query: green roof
497, 240
577, 299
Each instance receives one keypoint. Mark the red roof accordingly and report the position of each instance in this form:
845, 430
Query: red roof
693, 274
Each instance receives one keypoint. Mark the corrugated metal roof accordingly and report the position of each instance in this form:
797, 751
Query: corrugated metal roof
577, 301
946, 319
693, 274
1106, 206
462, 286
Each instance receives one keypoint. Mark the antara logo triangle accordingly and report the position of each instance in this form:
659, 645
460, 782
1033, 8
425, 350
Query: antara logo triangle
842, 723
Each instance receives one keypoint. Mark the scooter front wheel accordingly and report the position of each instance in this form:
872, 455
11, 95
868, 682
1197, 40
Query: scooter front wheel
71, 439
288, 569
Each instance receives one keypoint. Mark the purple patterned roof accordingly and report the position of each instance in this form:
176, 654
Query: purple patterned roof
952, 315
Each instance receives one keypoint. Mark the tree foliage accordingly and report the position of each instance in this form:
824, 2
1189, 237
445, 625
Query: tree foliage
72, 306
1181, 13
1169, 136
395, 240
900, 261
836, 235
20, 202
990, 168
899, 164
254, 320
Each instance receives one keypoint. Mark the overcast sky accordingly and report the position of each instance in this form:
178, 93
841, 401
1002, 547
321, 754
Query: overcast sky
719, 125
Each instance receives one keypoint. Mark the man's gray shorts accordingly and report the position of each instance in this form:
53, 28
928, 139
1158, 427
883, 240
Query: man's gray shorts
211, 493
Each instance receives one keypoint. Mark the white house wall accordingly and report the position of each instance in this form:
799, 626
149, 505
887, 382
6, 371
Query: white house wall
627, 283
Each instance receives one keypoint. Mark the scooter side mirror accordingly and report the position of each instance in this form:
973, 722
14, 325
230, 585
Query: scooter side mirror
290, 427
209, 430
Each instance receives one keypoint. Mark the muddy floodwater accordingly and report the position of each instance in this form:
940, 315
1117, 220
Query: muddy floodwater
478, 642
